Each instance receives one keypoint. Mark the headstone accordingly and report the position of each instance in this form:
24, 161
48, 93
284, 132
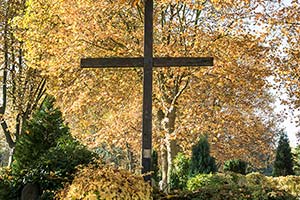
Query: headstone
31, 191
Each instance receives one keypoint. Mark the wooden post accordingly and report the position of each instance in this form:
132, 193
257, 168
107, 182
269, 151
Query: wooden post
147, 95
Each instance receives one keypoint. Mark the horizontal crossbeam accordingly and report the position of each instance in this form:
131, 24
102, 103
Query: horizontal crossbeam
139, 62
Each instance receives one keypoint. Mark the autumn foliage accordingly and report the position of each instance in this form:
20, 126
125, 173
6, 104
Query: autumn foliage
231, 101
105, 105
256, 50
96, 181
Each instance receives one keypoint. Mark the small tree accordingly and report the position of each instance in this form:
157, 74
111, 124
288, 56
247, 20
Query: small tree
283, 164
47, 154
201, 161
42, 132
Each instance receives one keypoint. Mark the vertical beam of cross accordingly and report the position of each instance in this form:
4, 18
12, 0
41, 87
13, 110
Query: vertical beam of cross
147, 94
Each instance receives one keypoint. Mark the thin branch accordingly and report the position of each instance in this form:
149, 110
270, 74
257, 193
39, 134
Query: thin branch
180, 92
7, 134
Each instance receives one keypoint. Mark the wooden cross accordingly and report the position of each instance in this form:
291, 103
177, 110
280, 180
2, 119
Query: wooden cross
147, 62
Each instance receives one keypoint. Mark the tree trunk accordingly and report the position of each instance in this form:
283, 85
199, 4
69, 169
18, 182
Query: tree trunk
130, 160
7, 133
21, 85
11, 155
166, 119
164, 168
171, 147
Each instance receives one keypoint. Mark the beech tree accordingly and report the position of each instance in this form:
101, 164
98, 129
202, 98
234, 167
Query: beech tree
229, 100
281, 33
22, 86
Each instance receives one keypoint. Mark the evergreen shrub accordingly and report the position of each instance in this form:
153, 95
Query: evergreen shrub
47, 154
201, 161
235, 165
179, 174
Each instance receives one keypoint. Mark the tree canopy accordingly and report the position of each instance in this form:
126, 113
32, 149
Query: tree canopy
230, 100
255, 46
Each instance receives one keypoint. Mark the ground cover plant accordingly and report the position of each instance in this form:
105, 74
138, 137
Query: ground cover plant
253, 186
97, 181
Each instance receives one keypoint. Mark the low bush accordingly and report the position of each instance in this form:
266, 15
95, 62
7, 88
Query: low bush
203, 180
235, 165
226, 192
96, 181
291, 184
179, 174
256, 178
7, 191
237, 186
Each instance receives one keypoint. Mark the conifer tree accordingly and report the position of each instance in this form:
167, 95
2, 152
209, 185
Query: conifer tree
42, 132
283, 164
201, 161
47, 154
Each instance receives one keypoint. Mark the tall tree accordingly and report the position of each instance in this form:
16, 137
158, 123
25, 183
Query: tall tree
230, 100
22, 87
281, 32
283, 164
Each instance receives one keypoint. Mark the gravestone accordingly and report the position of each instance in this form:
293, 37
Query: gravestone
31, 191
